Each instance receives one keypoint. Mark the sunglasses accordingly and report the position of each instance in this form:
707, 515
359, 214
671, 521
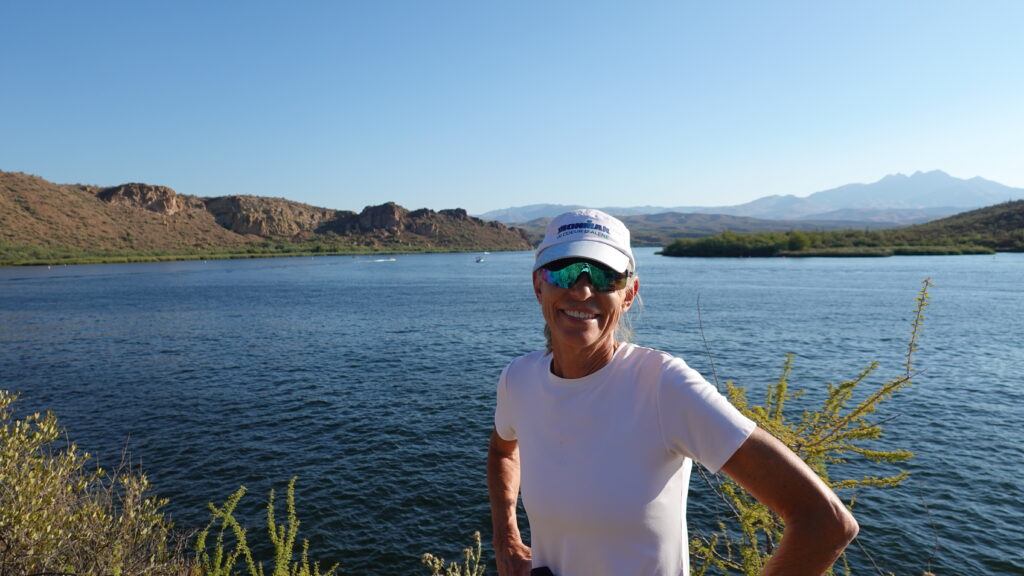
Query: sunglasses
565, 273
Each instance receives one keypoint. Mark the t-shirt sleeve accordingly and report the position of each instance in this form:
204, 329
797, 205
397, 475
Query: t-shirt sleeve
503, 423
697, 421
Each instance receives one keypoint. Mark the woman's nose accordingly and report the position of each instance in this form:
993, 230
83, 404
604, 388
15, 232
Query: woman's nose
582, 288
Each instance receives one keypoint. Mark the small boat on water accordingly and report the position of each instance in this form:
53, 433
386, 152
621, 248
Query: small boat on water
373, 260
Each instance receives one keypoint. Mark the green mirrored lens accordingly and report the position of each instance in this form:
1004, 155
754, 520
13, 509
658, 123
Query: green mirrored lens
602, 279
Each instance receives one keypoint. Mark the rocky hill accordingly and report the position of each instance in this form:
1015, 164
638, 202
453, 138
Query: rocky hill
140, 218
36, 212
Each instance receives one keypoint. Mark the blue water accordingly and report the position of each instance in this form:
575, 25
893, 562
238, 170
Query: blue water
373, 382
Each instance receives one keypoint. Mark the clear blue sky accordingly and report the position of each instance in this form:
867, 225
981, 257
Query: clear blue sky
485, 105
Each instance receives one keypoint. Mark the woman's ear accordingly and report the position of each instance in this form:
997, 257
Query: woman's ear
537, 281
631, 293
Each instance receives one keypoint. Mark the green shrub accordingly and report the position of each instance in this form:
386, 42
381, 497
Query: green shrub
825, 439
58, 517
220, 559
471, 567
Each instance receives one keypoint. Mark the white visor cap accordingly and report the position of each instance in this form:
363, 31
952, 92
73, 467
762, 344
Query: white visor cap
589, 234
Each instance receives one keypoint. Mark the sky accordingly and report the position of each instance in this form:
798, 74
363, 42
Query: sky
484, 105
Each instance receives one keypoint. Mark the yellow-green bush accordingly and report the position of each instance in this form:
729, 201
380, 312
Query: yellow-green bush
59, 517
825, 439
231, 544
470, 567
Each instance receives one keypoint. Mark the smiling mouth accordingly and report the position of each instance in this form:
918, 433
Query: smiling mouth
580, 315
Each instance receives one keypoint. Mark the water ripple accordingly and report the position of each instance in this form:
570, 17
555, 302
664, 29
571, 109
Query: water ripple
374, 385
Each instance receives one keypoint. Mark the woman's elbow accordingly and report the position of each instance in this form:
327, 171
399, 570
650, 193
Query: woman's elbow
841, 528
828, 523
850, 528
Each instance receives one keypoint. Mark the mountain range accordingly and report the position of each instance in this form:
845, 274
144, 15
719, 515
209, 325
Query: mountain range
895, 200
44, 222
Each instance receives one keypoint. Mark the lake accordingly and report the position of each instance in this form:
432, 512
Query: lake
372, 380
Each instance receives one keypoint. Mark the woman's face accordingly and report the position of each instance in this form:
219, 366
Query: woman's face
580, 316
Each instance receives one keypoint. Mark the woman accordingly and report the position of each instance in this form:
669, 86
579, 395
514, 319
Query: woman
601, 434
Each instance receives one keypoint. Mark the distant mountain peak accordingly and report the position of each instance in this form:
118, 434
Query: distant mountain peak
916, 175
898, 199
890, 177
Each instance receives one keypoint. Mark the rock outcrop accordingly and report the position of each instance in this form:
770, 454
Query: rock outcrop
378, 226
267, 217
391, 224
159, 199
388, 217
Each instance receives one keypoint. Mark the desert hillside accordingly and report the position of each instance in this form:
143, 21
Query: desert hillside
40, 218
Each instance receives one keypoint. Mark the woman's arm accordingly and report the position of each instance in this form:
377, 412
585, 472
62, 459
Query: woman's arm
818, 525
513, 557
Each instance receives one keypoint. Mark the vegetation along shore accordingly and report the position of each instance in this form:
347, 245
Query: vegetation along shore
998, 228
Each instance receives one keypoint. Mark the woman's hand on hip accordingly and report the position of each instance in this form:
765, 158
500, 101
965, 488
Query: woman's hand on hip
513, 558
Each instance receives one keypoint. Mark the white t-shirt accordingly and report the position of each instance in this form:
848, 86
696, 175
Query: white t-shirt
606, 459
